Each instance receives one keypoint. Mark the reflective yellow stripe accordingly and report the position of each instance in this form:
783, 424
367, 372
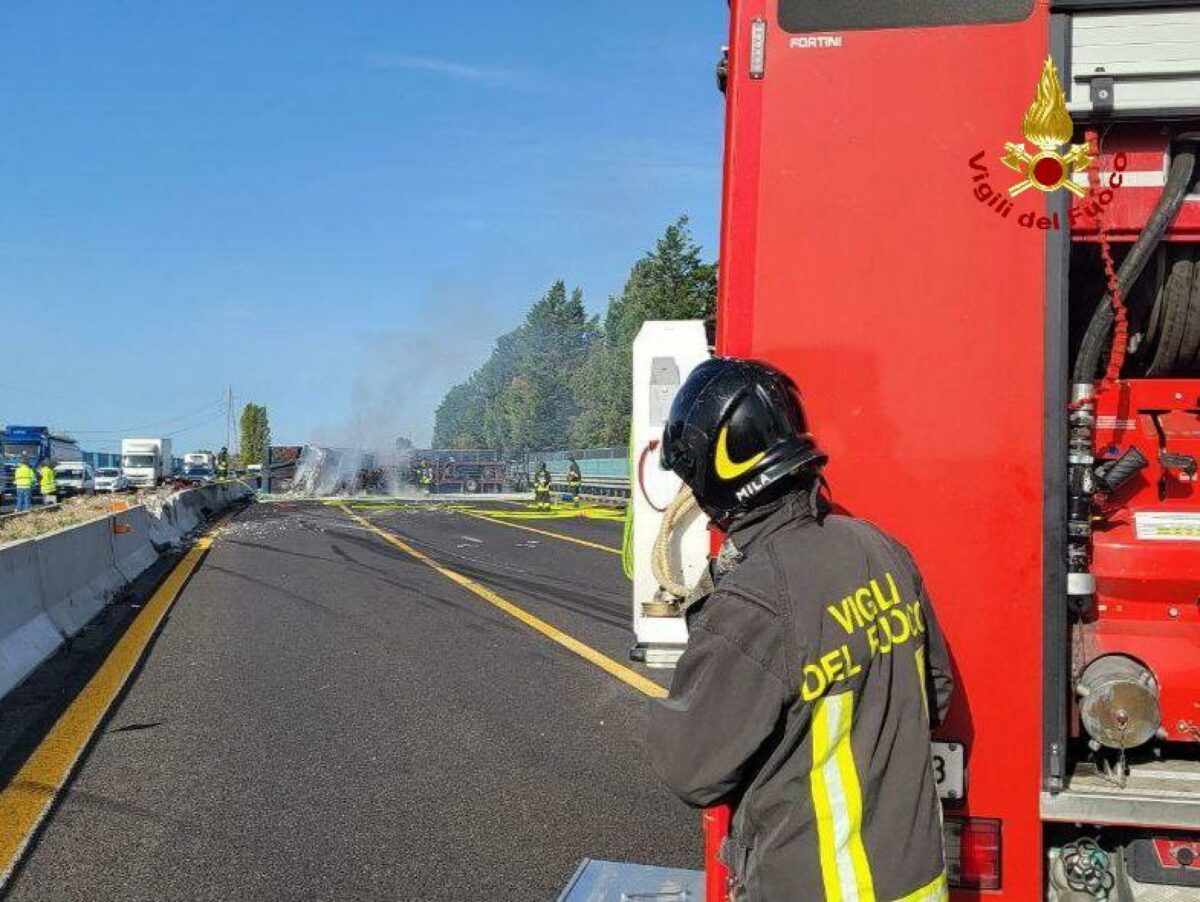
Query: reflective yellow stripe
920, 656
935, 891
821, 744
837, 802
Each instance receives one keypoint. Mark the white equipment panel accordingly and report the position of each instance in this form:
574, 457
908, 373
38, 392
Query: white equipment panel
664, 354
1135, 62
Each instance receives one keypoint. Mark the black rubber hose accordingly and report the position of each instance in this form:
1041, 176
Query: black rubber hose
1178, 319
1096, 339
1116, 473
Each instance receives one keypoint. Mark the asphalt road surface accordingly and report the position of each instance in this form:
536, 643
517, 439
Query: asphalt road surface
325, 717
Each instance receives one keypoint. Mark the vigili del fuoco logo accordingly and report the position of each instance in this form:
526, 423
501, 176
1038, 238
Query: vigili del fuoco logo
1048, 127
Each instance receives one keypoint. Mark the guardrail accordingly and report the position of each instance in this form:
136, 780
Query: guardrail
597, 488
53, 585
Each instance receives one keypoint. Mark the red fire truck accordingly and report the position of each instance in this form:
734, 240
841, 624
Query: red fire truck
993, 309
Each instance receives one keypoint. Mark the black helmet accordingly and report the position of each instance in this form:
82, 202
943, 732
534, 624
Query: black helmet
737, 427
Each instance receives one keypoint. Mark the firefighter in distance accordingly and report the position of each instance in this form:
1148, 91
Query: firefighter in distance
541, 487
574, 481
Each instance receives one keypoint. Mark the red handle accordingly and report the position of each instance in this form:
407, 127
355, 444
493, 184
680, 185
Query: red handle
716, 875
641, 475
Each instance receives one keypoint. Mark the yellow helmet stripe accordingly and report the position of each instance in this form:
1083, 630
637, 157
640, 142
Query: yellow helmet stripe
728, 469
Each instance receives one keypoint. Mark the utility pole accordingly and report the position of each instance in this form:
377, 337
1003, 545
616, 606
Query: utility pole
229, 421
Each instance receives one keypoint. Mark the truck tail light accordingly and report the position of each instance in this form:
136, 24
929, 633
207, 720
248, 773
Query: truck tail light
972, 852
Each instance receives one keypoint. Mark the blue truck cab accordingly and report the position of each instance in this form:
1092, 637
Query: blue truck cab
40, 444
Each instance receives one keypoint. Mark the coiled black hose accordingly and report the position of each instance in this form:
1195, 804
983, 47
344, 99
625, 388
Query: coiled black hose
1096, 339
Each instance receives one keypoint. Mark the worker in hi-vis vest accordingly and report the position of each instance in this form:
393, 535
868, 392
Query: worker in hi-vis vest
814, 665
48, 482
23, 479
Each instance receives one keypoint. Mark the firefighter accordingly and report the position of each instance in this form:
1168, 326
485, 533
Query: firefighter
23, 479
814, 666
574, 481
48, 482
223, 463
541, 487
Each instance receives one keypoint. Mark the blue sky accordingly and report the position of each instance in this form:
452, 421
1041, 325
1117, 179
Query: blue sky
334, 207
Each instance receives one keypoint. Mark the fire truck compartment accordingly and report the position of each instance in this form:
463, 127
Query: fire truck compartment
1135, 62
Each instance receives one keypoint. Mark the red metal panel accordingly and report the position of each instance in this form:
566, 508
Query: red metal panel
739, 215
1148, 589
1136, 187
911, 315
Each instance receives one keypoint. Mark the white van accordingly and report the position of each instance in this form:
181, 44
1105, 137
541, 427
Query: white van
74, 477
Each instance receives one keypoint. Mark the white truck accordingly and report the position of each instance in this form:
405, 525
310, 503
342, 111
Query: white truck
145, 462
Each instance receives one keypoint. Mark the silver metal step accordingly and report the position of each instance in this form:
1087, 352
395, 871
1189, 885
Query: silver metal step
663, 657
1155, 794
614, 881
1153, 892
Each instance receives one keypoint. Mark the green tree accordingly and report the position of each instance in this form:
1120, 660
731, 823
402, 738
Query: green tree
671, 282
538, 402
559, 379
522, 397
255, 432
459, 418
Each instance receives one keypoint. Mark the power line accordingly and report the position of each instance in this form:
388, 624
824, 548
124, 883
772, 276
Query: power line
144, 426
191, 428
214, 417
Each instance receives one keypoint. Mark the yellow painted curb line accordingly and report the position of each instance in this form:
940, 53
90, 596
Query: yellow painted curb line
605, 663
544, 532
32, 792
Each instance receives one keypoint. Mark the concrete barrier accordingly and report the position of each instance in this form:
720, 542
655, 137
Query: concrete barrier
163, 533
197, 503
133, 551
27, 635
52, 586
79, 573
177, 516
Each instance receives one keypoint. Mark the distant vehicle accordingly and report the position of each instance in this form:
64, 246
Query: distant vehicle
110, 479
199, 467
75, 478
197, 475
146, 462
200, 459
39, 444
254, 469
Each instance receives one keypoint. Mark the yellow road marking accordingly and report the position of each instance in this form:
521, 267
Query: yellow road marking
544, 532
29, 796
556, 512
605, 663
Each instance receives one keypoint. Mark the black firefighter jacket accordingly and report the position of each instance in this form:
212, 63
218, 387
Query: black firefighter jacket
812, 672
